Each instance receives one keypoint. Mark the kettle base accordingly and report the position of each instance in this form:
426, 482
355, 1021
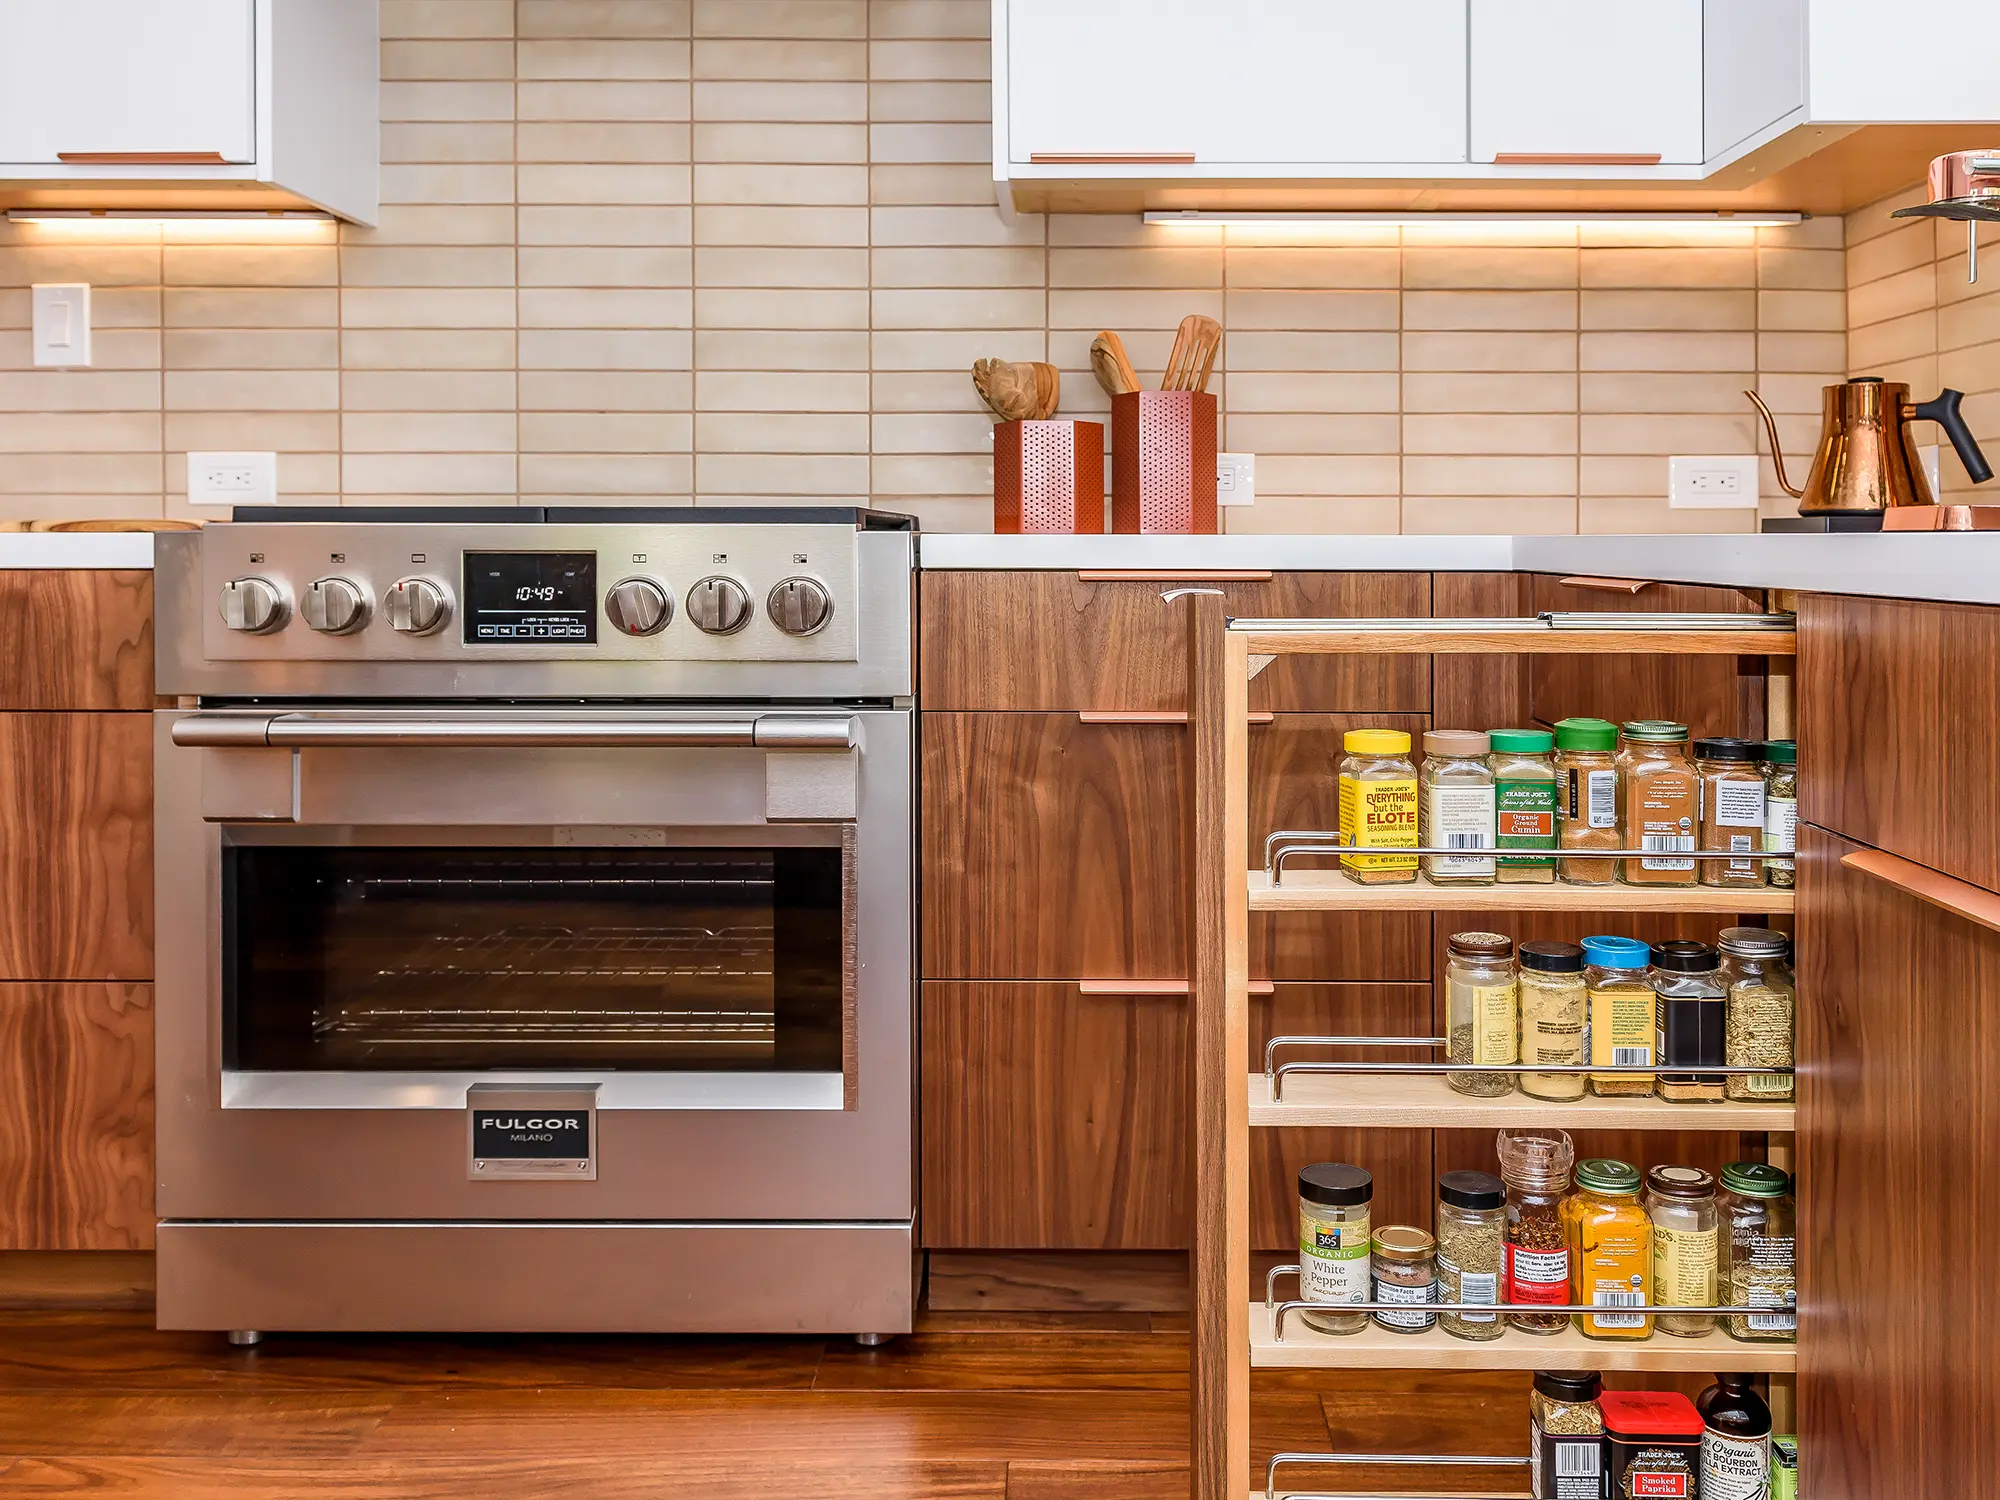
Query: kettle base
1826, 521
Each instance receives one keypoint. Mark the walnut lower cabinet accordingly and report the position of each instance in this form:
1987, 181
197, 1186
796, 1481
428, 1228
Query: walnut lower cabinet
1899, 1141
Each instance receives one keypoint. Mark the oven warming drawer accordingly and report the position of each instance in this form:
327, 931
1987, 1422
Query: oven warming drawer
406, 1276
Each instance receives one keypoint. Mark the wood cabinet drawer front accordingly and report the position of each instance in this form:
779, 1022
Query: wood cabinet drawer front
1037, 640
1055, 848
1899, 720
1710, 694
76, 846
76, 1121
76, 639
1057, 1120
1898, 1051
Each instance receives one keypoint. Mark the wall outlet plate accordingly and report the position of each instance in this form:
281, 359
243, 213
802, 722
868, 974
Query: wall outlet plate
232, 479
1712, 482
1235, 478
61, 320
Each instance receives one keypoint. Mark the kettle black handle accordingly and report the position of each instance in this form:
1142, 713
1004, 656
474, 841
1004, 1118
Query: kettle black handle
1944, 411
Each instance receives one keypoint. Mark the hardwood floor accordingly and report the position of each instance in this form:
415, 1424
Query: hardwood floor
973, 1406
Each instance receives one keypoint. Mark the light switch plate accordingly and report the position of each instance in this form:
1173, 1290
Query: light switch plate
1235, 478
62, 324
1712, 482
232, 479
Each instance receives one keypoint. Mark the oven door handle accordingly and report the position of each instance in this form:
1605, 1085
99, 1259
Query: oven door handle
469, 731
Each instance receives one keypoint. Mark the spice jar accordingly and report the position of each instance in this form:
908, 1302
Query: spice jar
1554, 1016
1692, 1010
1334, 1205
1524, 784
1729, 799
1735, 1440
1405, 1271
1610, 1249
1781, 810
1763, 1000
1587, 798
1565, 1435
1657, 811
1652, 1443
1456, 810
1481, 1010
1534, 1165
1471, 1228
1378, 806
1759, 1268
1681, 1203
1622, 1030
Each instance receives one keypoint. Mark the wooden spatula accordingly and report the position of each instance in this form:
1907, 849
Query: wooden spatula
1011, 391
1193, 357
1048, 390
1113, 370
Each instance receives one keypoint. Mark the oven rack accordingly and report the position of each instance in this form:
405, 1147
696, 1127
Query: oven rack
699, 953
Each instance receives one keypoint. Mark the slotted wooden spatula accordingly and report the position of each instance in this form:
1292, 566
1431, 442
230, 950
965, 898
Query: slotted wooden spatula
1193, 358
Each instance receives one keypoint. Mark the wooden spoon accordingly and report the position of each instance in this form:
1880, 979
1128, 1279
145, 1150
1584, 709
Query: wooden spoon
1195, 347
1011, 391
1114, 371
1048, 390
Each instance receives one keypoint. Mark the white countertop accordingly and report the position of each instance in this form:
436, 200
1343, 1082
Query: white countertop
76, 549
1959, 567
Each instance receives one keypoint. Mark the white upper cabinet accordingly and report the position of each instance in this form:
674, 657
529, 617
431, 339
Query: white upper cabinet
1910, 60
1576, 81
1754, 72
1169, 82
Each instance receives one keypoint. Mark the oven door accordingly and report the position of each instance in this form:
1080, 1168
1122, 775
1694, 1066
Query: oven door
390, 937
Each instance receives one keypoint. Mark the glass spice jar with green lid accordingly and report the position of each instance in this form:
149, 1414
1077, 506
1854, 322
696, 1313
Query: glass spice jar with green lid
1781, 810
1524, 785
1658, 806
1759, 1267
1587, 798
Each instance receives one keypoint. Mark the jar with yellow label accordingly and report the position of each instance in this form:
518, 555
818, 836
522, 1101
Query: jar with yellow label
1681, 1203
1378, 806
1623, 1009
1610, 1250
1482, 1011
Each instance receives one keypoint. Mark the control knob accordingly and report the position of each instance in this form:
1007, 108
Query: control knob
638, 606
800, 606
416, 606
256, 606
335, 605
719, 606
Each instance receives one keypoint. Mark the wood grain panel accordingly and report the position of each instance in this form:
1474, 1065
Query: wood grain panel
1041, 641
1710, 694
1056, 849
1899, 1044
76, 1116
76, 846
1479, 692
1899, 714
76, 639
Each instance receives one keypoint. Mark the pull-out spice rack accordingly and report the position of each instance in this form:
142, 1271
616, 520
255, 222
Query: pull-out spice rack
1231, 1332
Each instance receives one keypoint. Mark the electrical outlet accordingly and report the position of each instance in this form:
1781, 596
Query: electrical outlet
1712, 482
1235, 478
232, 479
61, 318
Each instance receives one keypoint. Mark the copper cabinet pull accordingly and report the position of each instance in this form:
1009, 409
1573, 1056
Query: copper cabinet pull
1958, 897
1155, 987
1186, 575
1112, 158
1608, 585
1151, 716
1576, 158
143, 158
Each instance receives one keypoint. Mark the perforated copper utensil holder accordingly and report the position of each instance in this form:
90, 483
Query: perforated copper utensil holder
1048, 476
1163, 462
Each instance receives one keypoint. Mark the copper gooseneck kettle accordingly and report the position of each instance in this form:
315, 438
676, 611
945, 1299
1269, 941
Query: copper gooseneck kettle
1867, 458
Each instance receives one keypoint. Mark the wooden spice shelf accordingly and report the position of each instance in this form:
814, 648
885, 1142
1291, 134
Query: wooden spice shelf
1411, 1101
1330, 890
1376, 1348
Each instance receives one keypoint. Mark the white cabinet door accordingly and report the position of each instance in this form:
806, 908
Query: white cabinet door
1914, 61
1107, 78
129, 79
1574, 79
1755, 70
1336, 81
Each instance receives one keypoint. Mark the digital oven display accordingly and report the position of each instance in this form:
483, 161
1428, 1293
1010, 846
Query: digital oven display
532, 598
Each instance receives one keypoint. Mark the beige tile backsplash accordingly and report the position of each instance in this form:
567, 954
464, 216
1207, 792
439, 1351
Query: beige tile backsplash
637, 250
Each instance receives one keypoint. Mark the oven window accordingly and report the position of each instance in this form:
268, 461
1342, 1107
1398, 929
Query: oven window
418, 959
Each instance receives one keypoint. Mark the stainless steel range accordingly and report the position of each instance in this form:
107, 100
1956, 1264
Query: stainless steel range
535, 921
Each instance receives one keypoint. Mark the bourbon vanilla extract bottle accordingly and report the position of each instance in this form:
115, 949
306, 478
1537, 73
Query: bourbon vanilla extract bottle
1735, 1440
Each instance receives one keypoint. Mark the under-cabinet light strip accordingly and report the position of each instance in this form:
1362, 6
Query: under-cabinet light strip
1281, 220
